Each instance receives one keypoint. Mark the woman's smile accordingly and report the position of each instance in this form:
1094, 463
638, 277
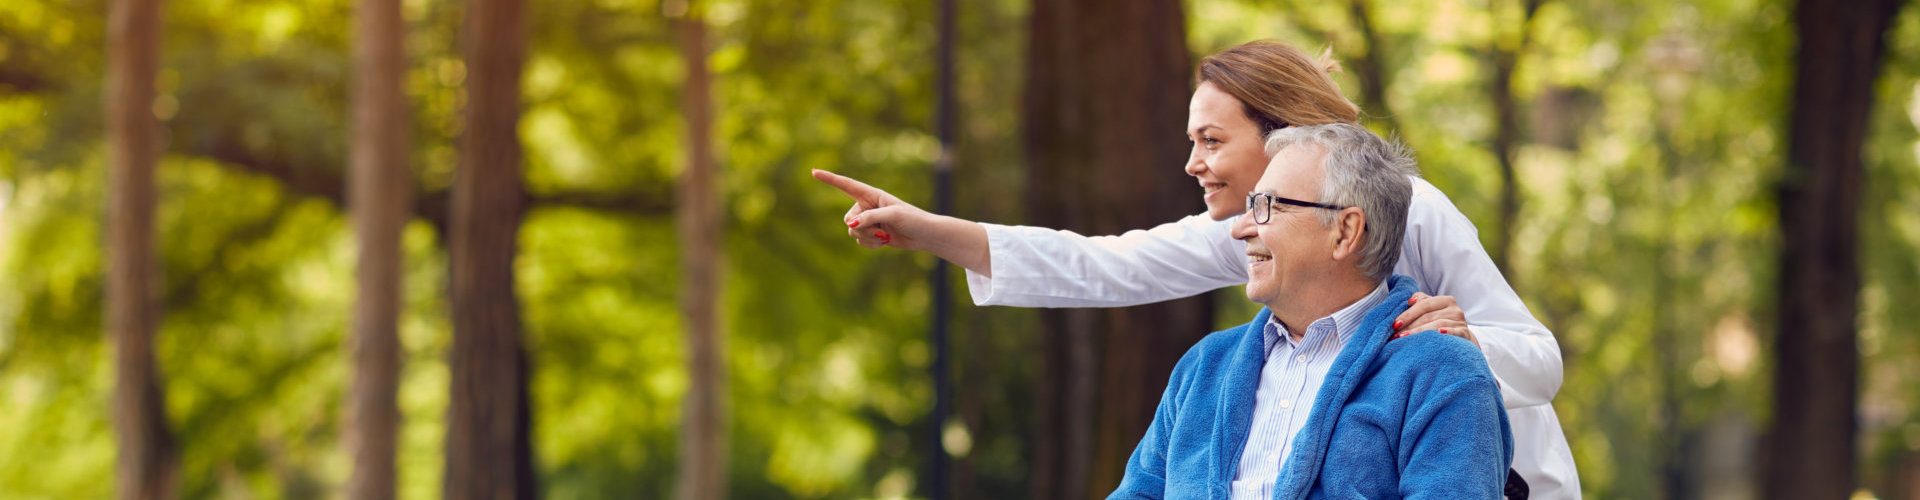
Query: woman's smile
1212, 189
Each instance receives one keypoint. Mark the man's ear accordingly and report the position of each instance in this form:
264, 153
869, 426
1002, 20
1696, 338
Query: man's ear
1350, 228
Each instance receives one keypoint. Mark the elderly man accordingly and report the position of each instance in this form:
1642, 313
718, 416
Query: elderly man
1309, 399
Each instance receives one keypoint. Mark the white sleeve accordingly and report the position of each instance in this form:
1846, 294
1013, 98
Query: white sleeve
1442, 253
1040, 267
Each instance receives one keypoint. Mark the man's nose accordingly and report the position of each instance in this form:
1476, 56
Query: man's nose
1242, 226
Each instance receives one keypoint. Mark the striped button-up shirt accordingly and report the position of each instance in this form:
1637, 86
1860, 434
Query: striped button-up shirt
1289, 382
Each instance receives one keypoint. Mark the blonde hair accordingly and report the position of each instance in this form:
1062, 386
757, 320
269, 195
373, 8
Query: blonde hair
1279, 86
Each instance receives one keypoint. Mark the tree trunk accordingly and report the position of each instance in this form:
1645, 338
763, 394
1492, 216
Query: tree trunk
1811, 450
381, 191
489, 454
1106, 104
146, 467
1506, 136
703, 426
1372, 69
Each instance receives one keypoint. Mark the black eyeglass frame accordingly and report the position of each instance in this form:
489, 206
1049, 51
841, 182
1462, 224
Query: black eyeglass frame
1265, 212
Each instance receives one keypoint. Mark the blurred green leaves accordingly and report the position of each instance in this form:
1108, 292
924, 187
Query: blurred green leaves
1645, 242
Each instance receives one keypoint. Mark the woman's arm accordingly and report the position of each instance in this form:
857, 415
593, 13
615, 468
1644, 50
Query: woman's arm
1039, 267
1442, 253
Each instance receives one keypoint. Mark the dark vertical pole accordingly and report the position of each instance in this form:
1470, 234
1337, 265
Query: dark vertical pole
942, 297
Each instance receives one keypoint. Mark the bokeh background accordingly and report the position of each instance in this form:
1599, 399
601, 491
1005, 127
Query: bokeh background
1642, 142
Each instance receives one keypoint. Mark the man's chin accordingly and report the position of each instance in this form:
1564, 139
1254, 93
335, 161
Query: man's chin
1256, 297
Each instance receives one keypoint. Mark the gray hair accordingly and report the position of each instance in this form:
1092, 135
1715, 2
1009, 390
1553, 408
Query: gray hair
1362, 170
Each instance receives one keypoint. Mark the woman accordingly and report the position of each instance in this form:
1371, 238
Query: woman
1242, 93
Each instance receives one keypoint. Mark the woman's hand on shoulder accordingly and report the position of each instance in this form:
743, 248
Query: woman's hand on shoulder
1438, 313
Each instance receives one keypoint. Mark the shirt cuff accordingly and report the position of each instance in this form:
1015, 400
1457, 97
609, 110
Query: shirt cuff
980, 287
983, 288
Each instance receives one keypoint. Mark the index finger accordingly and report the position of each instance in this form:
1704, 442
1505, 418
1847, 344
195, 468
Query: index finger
859, 191
1415, 312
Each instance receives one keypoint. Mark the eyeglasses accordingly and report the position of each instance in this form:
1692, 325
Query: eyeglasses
1260, 206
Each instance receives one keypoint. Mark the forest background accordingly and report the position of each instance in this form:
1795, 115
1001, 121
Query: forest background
1629, 163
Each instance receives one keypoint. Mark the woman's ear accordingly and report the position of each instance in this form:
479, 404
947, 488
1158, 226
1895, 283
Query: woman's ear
1350, 227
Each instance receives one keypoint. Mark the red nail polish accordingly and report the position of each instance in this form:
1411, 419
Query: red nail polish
1409, 300
884, 237
853, 223
1443, 330
1396, 324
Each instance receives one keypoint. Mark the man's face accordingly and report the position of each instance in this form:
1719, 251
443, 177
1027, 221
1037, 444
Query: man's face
1292, 252
1228, 151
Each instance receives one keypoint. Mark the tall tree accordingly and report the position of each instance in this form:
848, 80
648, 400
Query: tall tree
146, 465
381, 192
1505, 55
489, 450
1816, 350
1372, 68
1366, 54
703, 425
1106, 103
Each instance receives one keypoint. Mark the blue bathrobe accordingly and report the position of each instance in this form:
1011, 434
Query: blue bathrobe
1419, 417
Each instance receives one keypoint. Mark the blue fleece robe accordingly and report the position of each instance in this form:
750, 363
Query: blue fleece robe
1420, 417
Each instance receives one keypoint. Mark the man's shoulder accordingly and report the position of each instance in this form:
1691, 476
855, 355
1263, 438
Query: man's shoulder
1429, 368
1432, 352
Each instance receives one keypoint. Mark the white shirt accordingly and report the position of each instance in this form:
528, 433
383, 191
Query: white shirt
1039, 267
1290, 380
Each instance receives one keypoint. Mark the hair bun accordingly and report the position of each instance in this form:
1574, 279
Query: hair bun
1326, 62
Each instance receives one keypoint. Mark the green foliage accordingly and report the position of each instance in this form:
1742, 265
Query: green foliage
1654, 136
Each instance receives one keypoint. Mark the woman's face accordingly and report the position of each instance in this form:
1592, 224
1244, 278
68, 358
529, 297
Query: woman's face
1228, 153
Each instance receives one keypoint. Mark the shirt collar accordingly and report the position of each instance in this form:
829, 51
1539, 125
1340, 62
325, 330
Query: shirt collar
1344, 322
